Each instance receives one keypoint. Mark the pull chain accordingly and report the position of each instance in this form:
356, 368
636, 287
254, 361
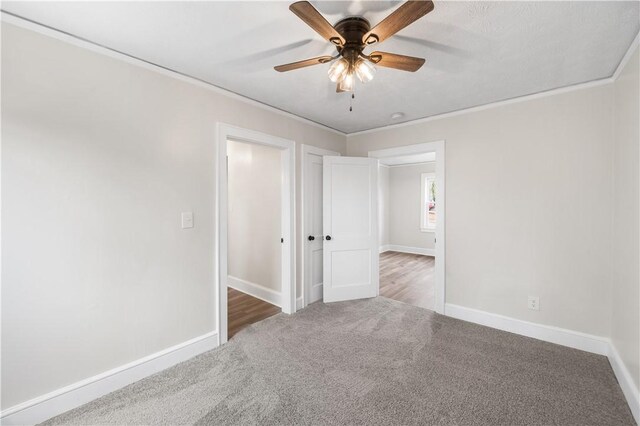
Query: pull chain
353, 96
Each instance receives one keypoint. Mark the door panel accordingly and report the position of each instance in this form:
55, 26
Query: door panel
313, 226
350, 268
316, 274
350, 196
350, 205
316, 228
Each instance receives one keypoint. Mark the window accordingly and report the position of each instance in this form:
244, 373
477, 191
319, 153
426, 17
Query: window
428, 212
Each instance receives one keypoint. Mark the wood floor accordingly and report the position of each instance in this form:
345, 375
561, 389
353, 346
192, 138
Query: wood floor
244, 310
408, 278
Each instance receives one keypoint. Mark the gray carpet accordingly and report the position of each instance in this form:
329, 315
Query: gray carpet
373, 361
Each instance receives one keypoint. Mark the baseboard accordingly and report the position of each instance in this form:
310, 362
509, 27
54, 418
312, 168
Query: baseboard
411, 250
255, 290
628, 386
69, 397
384, 248
561, 336
299, 303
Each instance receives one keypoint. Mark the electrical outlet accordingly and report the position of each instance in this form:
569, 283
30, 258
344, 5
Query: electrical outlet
533, 302
187, 220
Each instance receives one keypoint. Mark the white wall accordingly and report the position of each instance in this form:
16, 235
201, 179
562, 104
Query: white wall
254, 198
100, 156
383, 205
625, 322
524, 182
405, 189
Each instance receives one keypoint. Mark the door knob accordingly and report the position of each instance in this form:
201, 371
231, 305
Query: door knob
328, 237
311, 238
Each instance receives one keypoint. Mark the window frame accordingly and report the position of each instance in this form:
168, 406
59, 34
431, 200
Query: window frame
424, 221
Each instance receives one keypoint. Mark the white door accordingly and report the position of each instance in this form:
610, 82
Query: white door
350, 225
313, 236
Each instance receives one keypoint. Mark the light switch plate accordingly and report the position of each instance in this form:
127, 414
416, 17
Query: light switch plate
187, 220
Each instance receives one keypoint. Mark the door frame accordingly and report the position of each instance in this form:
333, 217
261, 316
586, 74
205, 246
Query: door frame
439, 148
305, 217
225, 132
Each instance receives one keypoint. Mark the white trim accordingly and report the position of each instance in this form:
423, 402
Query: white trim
256, 290
69, 397
629, 389
440, 247
288, 199
409, 164
385, 248
299, 304
401, 151
94, 47
625, 59
306, 216
115, 54
491, 105
561, 336
410, 250
517, 99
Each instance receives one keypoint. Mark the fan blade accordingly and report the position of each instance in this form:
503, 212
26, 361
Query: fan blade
305, 11
399, 62
403, 16
302, 64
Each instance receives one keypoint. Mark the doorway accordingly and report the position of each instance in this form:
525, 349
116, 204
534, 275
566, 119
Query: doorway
426, 262
407, 212
256, 269
411, 211
254, 231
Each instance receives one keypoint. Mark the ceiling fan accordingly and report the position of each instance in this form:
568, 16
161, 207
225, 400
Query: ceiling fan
351, 36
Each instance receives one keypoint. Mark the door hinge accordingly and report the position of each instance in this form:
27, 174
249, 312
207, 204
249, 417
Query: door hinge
282, 240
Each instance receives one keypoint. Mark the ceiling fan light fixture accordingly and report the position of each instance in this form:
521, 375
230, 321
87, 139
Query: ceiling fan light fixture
351, 36
338, 70
346, 84
365, 71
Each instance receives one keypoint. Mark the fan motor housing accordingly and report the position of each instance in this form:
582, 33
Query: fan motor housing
352, 29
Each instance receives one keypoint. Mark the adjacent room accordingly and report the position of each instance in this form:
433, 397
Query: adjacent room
318, 212
408, 221
254, 261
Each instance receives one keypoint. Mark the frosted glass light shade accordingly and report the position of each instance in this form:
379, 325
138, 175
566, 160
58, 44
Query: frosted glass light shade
346, 84
338, 70
365, 71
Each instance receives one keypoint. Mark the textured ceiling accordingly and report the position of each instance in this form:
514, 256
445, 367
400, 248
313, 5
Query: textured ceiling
477, 52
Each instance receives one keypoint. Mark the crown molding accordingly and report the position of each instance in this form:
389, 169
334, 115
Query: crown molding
627, 56
19, 21
608, 80
483, 107
95, 47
